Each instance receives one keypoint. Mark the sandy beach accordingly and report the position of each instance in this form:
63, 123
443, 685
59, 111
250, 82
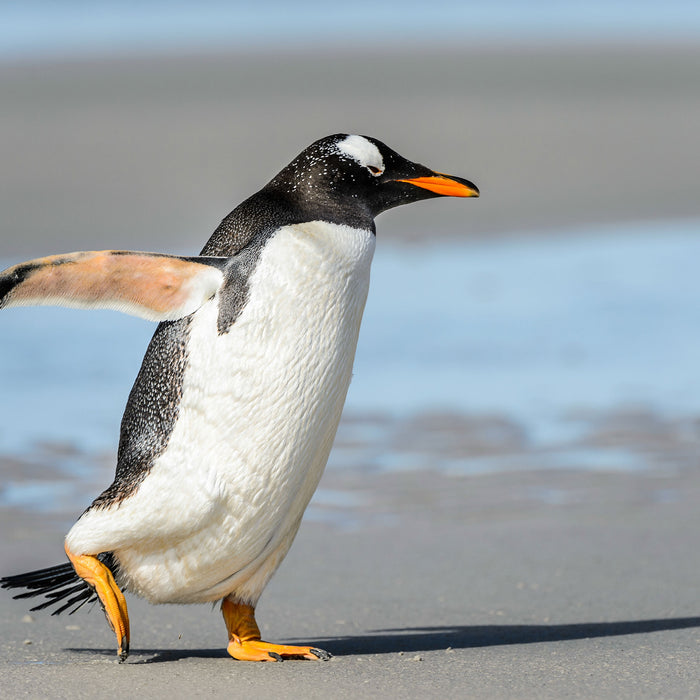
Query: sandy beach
150, 154
458, 587
521, 583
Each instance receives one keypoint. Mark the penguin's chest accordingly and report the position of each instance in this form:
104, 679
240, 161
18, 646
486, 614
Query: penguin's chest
262, 400
260, 407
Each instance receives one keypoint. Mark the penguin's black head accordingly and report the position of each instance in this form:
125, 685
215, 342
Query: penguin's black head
350, 179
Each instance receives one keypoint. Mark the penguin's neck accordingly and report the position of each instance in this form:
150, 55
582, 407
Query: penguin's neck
259, 216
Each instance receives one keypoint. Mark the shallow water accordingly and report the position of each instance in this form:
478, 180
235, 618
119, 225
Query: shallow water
575, 352
523, 326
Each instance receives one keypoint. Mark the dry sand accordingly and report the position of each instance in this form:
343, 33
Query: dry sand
152, 153
528, 585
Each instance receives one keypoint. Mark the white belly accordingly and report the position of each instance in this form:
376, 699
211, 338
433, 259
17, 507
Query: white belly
260, 406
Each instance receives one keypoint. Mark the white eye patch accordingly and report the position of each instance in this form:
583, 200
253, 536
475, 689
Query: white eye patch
363, 152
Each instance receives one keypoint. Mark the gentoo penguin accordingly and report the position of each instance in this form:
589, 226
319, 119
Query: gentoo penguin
231, 418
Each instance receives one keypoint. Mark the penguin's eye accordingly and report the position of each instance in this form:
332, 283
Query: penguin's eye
375, 171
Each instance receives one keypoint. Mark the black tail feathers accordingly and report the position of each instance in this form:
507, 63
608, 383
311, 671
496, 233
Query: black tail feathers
56, 583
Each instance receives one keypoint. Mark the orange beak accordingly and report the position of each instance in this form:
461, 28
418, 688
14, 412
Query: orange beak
446, 185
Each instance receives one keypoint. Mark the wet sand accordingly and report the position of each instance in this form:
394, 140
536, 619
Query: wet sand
529, 584
502, 596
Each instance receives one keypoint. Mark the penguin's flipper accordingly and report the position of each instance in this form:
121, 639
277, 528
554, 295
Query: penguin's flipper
153, 286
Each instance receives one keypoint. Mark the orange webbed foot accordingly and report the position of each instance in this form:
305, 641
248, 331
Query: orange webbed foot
257, 650
245, 643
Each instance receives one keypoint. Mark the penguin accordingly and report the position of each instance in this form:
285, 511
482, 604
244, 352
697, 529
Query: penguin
232, 416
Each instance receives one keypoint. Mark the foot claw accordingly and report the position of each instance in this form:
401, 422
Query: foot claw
123, 650
321, 654
274, 656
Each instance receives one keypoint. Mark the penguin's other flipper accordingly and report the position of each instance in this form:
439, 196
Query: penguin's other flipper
153, 286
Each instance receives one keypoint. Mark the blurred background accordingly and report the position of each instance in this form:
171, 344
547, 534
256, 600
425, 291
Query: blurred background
549, 327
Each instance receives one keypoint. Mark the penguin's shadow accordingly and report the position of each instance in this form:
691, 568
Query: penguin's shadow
423, 639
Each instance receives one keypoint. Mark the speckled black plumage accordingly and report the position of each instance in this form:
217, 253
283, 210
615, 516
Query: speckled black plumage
241, 236
151, 411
